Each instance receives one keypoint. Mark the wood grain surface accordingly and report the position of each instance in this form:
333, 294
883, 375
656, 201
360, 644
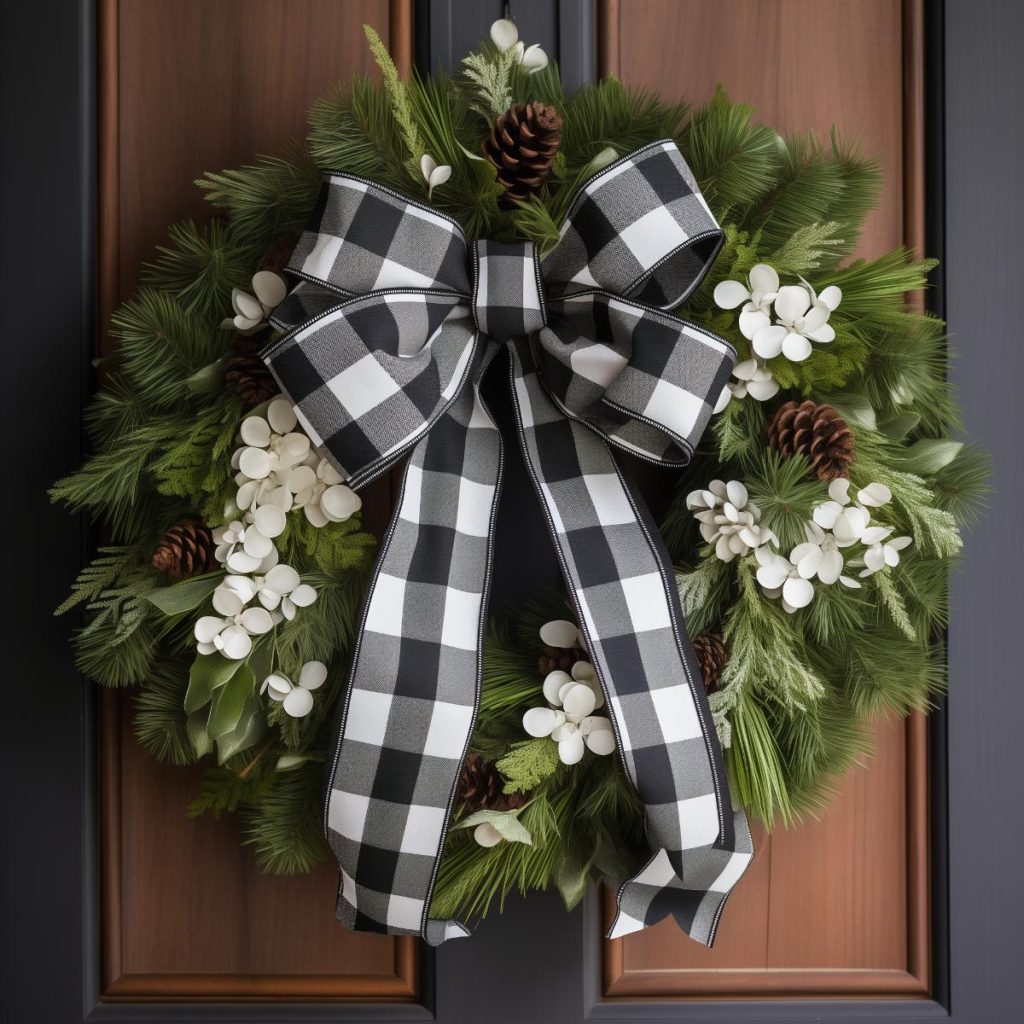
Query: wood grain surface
188, 87
839, 906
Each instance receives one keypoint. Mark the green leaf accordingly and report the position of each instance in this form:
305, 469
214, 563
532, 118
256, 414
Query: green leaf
899, 426
286, 762
505, 823
250, 729
208, 672
930, 454
195, 727
855, 409
229, 702
184, 596
572, 880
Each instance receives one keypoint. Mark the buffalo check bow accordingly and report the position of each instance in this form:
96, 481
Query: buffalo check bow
387, 337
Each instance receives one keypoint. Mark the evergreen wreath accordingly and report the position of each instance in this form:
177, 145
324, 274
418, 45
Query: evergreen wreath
814, 532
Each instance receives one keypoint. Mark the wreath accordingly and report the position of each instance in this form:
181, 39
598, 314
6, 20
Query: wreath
812, 532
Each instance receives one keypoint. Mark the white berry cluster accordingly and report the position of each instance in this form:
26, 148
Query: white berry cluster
731, 523
800, 317
572, 698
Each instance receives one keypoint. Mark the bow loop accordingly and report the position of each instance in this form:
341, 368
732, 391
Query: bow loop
640, 229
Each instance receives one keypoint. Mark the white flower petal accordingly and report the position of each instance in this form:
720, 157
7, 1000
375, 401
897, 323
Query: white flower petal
439, 175
876, 534
328, 474
745, 370
340, 503
816, 318
773, 574
792, 302
256, 544
899, 543
831, 566
534, 59
256, 621
254, 463
207, 627
427, 166
269, 520
313, 675
807, 558
255, 432
795, 347
504, 34
298, 703
241, 561
277, 685
579, 700
848, 582
302, 596
737, 493
763, 279
539, 722
827, 513
831, 296
553, 683
282, 579
724, 397
486, 835
874, 558
875, 495
558, 633
751, 321
570, 749
269, 287
729, 294
227, 601
315, 515
797, 592
235, 643
767, 343
823, 334
246, 305
243, 499
281, 416
600, 742
762, 390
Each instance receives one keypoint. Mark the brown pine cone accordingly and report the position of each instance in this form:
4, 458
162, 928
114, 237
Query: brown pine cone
522, 147
185, 550
558, 659
712, 657
246, 374
280, 252
481, 784
818, 433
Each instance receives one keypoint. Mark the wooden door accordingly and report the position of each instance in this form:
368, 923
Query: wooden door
117, 908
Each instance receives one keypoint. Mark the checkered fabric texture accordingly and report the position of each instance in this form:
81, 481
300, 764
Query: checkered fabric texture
388, 335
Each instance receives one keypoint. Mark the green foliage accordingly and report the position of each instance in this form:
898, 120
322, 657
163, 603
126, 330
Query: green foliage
399, 95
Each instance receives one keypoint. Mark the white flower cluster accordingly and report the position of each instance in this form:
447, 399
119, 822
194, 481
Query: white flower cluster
505, 37
572, 698
801, 316
252, 310
731, 522
296, 698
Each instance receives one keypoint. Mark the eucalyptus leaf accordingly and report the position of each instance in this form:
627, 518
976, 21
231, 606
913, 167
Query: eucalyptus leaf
229, 702
184, 596
505, 823
900, 425
252, 724
206, 378
286, 762
208, 672
930, 454
572, 880
855, 409
195, 727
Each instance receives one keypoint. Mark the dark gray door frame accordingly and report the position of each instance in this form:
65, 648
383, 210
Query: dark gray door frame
535, 962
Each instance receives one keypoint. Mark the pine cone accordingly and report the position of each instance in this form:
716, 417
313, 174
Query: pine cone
817, 432
558, 659
480, 787
712, 656
186, 549
246, 374
522, 147
280, 252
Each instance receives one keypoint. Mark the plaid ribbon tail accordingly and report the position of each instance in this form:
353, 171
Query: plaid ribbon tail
405, 726
622, 584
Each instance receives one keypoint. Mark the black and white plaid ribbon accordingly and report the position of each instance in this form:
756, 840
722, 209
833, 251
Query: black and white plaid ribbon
388, 335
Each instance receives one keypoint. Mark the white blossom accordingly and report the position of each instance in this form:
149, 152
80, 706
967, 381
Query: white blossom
270, 447
800, 319
569, 719
505, 36
561, 633
296, 698
322, 494
252, 309
434, 174
728, 519
757, 296
780, 578
753, 378
243, 547
846, 521
881, 551
820, 556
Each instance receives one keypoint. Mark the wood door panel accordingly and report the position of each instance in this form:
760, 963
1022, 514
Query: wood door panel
838, 906
187, 87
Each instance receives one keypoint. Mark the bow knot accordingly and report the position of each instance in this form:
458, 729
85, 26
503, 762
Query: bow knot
387, 336
508, 297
